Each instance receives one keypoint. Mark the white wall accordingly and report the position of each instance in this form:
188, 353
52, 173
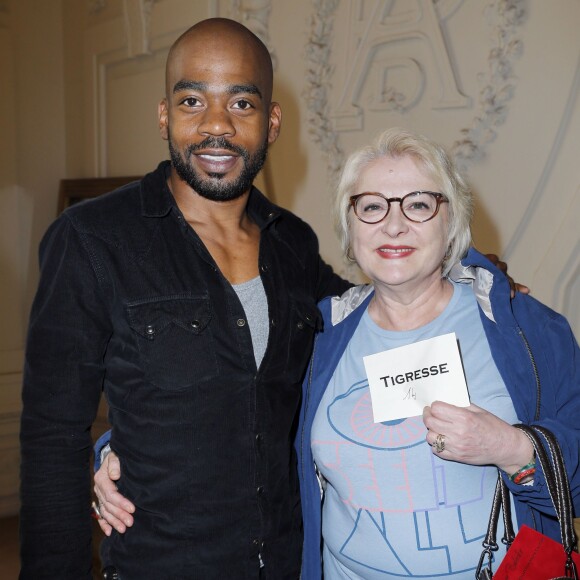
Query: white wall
496, 81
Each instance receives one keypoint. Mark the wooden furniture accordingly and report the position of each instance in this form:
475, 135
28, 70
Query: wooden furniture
74, 190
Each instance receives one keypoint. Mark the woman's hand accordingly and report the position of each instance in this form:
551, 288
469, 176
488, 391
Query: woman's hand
114, 508
476, 437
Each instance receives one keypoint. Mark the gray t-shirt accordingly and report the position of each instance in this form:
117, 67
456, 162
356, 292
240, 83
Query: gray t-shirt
255, 305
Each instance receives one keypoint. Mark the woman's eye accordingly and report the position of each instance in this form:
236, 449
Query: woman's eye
418, 206
373, 206
419, 202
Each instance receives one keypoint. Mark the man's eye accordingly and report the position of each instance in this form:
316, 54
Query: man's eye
243, 105
190, 102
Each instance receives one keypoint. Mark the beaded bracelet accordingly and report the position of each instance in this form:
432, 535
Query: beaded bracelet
525, 474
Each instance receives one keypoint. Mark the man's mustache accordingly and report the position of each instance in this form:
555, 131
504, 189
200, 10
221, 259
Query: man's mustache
216, 143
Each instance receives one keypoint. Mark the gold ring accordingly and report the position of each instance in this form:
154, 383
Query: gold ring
440, 443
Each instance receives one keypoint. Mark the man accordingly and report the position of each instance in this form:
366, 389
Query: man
191, 300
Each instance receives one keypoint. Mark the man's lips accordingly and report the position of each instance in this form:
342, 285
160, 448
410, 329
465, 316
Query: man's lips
216, 161
394, 252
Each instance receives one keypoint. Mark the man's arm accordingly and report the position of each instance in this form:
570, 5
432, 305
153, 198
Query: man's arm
63, 377
329, 283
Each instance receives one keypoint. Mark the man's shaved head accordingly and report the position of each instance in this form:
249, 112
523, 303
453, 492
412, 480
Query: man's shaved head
218, 114
220, 36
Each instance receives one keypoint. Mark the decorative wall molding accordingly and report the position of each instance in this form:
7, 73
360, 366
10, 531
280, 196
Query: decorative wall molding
4, 15
11, 361
370, 39
96, 6
498, 83
318, 83
10, 409
137, 15
567, 290
536, 198
137, 20
255, 14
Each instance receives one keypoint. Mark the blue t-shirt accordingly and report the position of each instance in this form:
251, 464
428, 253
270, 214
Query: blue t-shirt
393, 509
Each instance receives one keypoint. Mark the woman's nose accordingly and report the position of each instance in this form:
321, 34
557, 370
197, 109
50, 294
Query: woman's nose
395, 223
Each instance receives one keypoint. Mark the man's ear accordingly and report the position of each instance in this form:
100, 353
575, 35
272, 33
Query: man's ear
274, 122
163, 114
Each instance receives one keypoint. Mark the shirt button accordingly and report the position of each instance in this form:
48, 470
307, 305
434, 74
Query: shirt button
271, 215
260, 490
300, 324
264, 267
241, 322
256, 542
150, 331
194, 324
259, 437
272, 323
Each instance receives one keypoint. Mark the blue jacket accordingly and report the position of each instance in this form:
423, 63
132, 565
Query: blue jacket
536, 354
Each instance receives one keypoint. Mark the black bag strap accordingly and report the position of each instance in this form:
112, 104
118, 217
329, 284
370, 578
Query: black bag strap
501, 502
556, 478
554, 470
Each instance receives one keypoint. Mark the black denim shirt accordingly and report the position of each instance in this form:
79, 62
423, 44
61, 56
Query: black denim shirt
130, 301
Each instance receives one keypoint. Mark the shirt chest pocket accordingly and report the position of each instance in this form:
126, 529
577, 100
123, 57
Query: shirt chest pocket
175, 341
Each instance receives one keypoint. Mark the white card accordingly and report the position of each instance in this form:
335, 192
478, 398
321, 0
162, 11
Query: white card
404, 380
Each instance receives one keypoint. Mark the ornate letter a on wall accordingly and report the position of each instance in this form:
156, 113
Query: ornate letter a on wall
392, 58
392, 55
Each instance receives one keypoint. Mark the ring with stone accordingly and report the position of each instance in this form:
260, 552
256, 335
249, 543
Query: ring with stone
440, 443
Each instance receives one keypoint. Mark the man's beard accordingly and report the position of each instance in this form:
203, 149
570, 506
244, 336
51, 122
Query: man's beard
214, 187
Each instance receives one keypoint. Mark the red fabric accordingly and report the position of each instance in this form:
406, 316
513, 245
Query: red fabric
533, 556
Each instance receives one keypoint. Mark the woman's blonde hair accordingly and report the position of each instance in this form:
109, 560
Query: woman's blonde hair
433, 159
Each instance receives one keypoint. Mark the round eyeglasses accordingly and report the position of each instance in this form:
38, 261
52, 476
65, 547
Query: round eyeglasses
417, 206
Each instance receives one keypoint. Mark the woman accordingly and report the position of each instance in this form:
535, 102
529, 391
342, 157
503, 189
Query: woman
410, 498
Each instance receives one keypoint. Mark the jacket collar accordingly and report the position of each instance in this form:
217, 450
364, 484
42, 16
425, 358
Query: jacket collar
342, 306
481, 282
156, 199
490, 285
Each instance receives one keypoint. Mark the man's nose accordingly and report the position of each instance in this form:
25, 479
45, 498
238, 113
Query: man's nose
216, 121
